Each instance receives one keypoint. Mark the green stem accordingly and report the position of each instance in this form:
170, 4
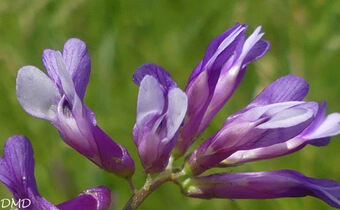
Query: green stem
151, 185
138, 197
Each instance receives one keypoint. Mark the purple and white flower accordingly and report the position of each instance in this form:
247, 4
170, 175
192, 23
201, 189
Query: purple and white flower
318, 133
216, 77
58, 98
273, 117
17, 173
161, 108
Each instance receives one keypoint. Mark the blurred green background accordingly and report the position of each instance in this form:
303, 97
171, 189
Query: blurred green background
121, 35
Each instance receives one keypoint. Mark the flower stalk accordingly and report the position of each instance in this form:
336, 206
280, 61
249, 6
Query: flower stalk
151, 184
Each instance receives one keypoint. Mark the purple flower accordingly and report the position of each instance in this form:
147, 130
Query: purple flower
216, 77
263, 185
273, 117
58, 98
17, 173
318, 133
161, 108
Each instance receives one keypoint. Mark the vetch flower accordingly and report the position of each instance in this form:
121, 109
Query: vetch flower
216, 77
58, 98
17, 173
161, 108
263, 185
318, 133
273, 117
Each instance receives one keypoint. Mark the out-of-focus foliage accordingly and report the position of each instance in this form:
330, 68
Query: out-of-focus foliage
121, 35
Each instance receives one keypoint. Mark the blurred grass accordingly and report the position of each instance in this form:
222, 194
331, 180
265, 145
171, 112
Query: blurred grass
121, 35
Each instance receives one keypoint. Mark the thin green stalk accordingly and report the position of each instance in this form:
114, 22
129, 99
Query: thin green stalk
151, 185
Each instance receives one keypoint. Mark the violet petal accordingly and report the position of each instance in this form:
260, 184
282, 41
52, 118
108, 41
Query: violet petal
50, 64
257, 51
78, 64
17, 167
295, 89
155, 71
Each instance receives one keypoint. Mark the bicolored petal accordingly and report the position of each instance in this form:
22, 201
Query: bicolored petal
252, 41
75, 61
218, 46
318, 133
98, 198
284, 125
288, 117
219, 43
223, 54
296, 89
36, 93
61, 76
263, 185
202, 83
76, 129
258, 50
50, 64
319, 118
78, 64
330, 126
262, 153
65, 79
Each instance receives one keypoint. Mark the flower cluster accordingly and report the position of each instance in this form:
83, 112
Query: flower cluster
277, 122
